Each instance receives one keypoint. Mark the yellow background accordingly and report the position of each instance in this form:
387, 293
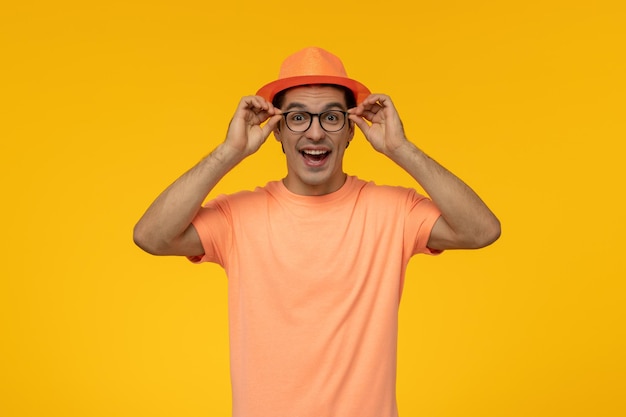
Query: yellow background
104, 103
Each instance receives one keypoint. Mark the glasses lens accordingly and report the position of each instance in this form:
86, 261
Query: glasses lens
298, 121
332, 120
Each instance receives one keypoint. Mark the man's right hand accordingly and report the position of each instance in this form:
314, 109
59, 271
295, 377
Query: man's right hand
246, 131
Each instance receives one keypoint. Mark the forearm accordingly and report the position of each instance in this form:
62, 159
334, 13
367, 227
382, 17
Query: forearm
163, 225
469, 222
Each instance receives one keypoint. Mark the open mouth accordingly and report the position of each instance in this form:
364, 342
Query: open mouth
315, 156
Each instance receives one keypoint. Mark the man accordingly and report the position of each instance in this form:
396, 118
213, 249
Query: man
315, 262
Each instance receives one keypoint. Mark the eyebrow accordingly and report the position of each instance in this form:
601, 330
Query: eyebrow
328, 106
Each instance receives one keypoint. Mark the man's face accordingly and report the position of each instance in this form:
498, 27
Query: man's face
315, 156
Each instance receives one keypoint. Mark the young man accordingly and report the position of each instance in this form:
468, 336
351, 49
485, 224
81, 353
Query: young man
315, 262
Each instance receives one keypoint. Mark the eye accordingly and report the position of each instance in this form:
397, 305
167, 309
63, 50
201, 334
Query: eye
332, 116
298, 117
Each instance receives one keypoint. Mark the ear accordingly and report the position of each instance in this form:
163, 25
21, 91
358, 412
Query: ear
276, 132
350, 132
278, 137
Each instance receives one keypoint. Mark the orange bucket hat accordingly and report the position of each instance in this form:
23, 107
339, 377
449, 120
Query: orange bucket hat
312, 66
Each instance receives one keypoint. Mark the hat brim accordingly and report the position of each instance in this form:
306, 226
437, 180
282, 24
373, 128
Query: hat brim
268, 91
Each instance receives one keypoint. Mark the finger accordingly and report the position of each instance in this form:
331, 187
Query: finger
370, 113
267, 110
360, 122
378, 102
373, 99
272, 112
386, 103
256, 104
271, 125
367, 115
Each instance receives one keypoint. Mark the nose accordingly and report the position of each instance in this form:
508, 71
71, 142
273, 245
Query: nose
315, 131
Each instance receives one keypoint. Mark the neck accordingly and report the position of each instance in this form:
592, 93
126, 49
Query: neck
300, 188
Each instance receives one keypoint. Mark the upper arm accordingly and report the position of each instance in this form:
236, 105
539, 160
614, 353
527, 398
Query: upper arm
188, 243
443, 236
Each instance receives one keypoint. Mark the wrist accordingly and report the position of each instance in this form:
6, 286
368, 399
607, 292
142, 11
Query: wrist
225, 156
401, 152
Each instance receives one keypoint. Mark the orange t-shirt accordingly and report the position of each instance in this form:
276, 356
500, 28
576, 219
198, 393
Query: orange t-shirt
313, 294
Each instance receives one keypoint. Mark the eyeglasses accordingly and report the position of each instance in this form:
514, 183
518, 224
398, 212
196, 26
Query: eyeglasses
300, 121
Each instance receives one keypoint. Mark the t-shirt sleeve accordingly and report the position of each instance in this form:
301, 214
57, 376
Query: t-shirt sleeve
422, 216
213, 225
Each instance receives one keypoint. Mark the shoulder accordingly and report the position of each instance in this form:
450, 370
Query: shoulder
394, 201
381, 192
243, 197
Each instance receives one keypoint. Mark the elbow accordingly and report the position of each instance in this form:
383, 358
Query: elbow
480, 236
143, 239
489, 233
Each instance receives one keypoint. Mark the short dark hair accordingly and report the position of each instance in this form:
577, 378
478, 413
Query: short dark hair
278, 99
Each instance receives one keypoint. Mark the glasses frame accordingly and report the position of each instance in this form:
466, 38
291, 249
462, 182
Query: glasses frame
319, 119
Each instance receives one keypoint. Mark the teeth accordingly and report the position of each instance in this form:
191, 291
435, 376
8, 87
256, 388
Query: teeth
313, 152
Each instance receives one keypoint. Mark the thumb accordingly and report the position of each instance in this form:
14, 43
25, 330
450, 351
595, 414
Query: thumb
360, 122
271, 124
